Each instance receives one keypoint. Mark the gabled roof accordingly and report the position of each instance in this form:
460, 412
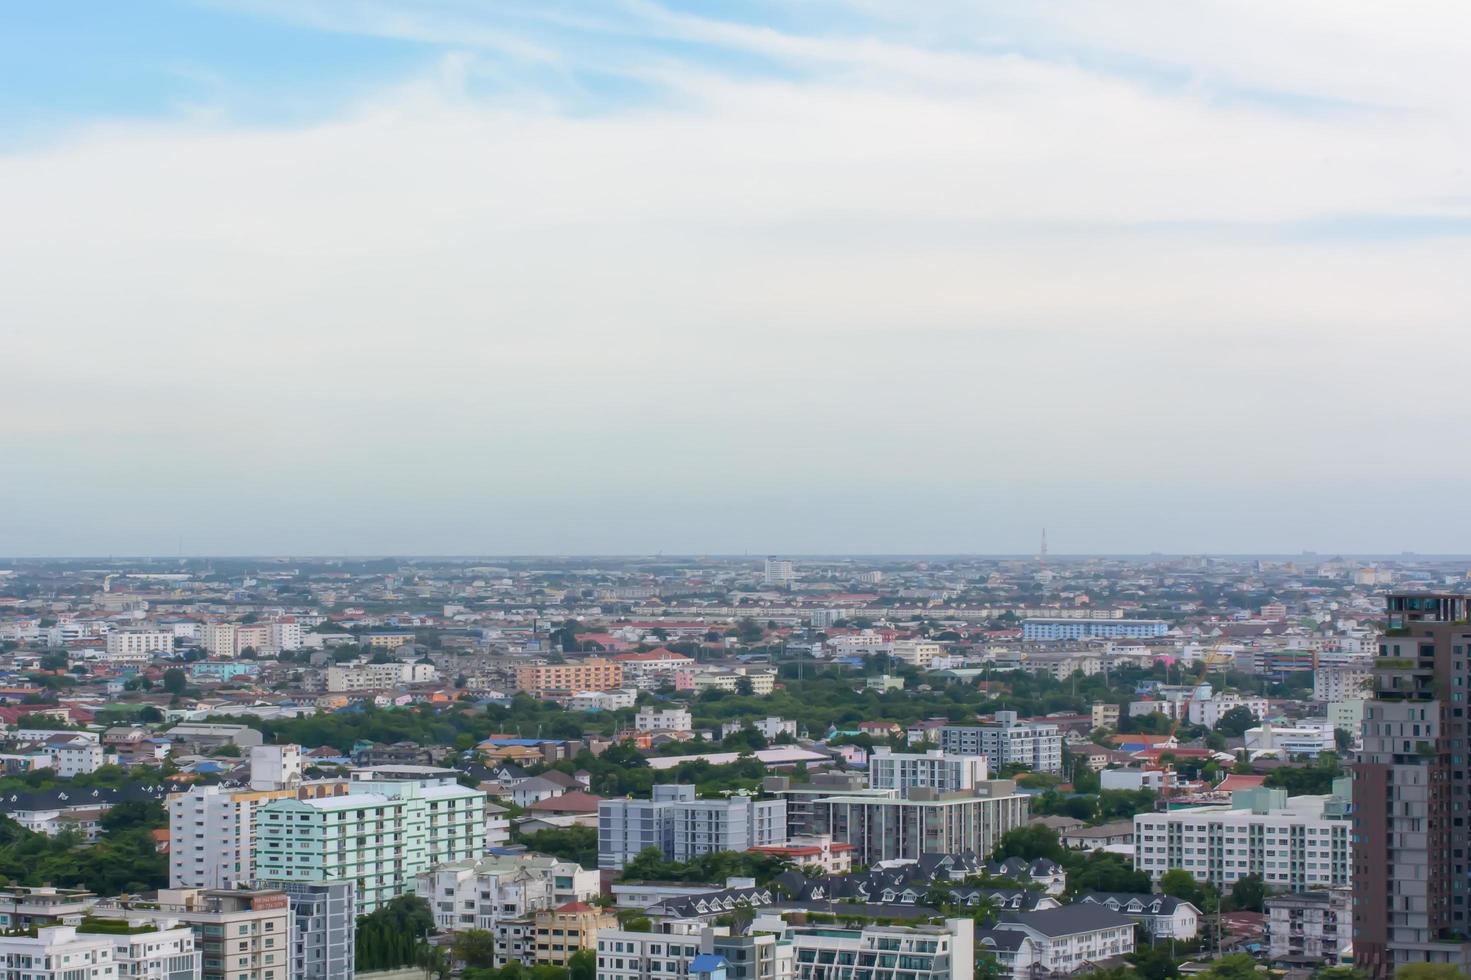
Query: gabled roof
1066, 920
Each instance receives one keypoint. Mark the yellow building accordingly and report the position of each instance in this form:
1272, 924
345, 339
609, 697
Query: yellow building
560, 932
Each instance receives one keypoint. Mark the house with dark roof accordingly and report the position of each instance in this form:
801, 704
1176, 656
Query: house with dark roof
1162, 916
1073, 938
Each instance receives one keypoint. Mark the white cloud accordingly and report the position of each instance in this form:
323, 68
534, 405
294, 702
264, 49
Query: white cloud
939, 270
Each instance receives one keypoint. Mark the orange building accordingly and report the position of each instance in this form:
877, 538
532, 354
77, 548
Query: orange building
593, 674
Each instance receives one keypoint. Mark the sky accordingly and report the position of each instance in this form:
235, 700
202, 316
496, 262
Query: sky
810, 276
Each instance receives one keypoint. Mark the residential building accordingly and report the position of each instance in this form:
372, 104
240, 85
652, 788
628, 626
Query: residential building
1310, 928
1104, 715
682, 827
662, 720
1162, 916
148, 642
816, 850
1093, 629
778, 572
1209, 711
770, 727
165, 949
915, 653
1292, 843
323, 928
212, 835
58, 953
559, 932
79, 759
890, 827
243, 934
1342, 682
381, 835
1412, 860
921, 952
945, 772
1347, 715
592, 674
666, 952
1073, 938
201, 735
23, 907
218, 639
1037, 745
1303, 739
344, 678
477, 894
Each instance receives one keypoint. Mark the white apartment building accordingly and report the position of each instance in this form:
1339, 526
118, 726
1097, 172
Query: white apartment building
1293, 843
218, 639
59, 953
682, 827
603, 700
859, 644
287, 634
477, 894
212, 833
1305, 738
168, 952
242, 934
1342, 682
882, 826
770, 727
1037, 745
147, 642
778, 572
915, 653
344, 678
666, 954
662, 720
79, 760
1348, 715
945, 772
1209, 711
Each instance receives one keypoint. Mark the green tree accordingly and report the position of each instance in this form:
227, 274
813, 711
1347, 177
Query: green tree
1029, 842
475, 947
582, 965
1248, 894
1179, 883
175, 681
1236, 966
1428, 971
1235, 722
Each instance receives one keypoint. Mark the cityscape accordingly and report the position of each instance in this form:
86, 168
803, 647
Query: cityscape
772, 768
734, 490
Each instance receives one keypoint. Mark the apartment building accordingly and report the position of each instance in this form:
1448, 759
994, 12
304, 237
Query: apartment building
343, 678
1093, 629
323, 928
915, 653
1104, 715
242, 934
79, 759
212, 835
477, 894
682, 827
1293, 843
945, 772
663, 720
218, 639
1310, 928
381, 835
1009, 740
559, 932
165, 949
890, 827
1412, 789
1342, 682
133, 642
59, 953
592, 674
922, 952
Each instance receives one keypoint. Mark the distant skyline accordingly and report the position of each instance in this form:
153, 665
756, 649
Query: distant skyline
834, 276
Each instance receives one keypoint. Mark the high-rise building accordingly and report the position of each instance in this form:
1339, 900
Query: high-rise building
681, 827
212, 835
324, 928
778, 572
1412, 792
884, 826
937, 769
1037, 745
244, 934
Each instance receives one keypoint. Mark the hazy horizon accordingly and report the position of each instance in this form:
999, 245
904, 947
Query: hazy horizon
538, 276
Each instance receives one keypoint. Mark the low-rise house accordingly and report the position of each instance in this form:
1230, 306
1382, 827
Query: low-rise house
1072, 938
1162, 916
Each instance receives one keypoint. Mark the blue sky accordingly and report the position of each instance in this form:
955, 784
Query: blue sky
821, 275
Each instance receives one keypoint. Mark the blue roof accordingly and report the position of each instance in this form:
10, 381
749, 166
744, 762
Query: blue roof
706, 963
